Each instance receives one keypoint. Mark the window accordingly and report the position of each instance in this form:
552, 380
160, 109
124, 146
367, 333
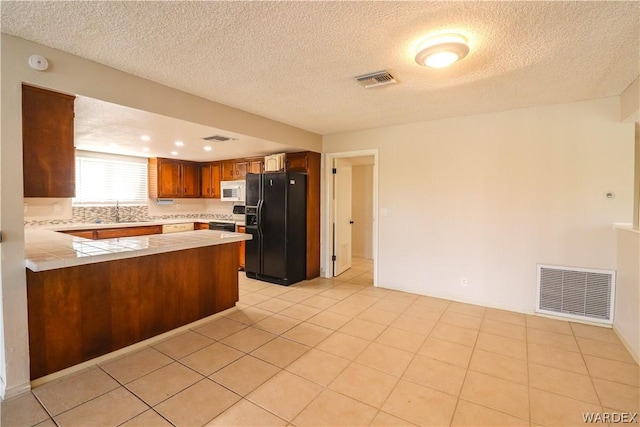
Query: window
103, 179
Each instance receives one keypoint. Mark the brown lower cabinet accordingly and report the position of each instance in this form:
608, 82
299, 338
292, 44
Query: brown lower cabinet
242, 229
79, 313
110, 233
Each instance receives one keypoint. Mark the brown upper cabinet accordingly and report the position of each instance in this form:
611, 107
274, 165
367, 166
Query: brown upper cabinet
173, 178
297, 162
210, 173
256, 165
48, 154
239, 168
234, 169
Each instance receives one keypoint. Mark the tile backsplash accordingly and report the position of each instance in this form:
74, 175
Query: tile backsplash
107, 214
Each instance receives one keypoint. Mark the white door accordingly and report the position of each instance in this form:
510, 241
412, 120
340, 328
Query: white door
342, 215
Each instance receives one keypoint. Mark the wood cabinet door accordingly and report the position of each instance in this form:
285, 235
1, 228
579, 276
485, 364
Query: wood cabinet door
48, 153
297, 162
256, 166
228, 171
241, 169
205, 175
242, 229
190, 179
210, 178
169, 178
215, 180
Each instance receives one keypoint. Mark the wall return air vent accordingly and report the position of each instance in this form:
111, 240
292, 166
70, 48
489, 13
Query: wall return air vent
576, 293
379, 78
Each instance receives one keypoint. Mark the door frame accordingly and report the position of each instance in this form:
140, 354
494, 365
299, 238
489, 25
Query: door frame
342, 164
327, 209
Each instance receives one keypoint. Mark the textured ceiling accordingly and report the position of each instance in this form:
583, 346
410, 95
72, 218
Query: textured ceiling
295, 61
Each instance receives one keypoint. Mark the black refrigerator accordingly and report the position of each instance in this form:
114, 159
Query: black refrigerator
276, 218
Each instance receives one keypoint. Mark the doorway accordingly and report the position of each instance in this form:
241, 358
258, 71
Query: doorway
351, 231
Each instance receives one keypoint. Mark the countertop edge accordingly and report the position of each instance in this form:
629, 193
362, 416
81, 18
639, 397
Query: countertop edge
47, 249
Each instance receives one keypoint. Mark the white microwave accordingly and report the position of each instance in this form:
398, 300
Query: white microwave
232, 191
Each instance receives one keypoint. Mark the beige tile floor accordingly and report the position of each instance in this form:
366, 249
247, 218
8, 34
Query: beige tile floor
341, 352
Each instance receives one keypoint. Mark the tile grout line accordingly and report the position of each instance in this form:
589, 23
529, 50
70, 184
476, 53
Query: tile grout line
326, 387
360, 309
399, 376
466, 372
43, 407
284, 368
591, 379
491, 375
415, 354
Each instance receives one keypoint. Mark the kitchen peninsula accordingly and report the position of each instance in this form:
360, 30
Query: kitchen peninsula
87, 298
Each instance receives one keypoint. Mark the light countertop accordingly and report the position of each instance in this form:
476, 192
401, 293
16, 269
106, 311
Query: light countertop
46, 249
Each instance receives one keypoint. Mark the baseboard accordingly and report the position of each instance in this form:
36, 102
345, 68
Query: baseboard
492, 304
363, 256
16, 390
458, 298
626, 344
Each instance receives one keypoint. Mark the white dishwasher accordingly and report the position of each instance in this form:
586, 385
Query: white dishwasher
177, 228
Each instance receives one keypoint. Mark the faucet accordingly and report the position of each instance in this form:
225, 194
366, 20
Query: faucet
117, 210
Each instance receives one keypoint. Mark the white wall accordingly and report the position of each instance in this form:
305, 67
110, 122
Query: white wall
361, 211
71, 74
627, 308
41, 208
488, 196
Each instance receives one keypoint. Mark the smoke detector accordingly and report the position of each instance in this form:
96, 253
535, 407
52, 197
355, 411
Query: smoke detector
379, 78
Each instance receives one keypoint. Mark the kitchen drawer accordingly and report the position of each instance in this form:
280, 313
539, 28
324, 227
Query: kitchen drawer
110, 233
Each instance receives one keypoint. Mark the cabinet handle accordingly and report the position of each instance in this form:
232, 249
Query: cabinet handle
185, 190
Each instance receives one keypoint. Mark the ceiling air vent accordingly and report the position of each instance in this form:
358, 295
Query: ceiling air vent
219, 138
379, 78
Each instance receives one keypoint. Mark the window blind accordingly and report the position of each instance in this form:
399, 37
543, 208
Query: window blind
103, 179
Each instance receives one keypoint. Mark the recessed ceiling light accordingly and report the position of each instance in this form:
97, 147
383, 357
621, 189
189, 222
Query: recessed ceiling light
146, 149
145, 138
179, 143
207, 148
175, 153
113, 145
442, 51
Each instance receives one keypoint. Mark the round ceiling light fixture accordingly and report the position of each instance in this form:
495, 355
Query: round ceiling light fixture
442, 51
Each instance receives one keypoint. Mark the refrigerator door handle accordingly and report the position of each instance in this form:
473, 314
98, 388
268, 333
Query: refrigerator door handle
260, 203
